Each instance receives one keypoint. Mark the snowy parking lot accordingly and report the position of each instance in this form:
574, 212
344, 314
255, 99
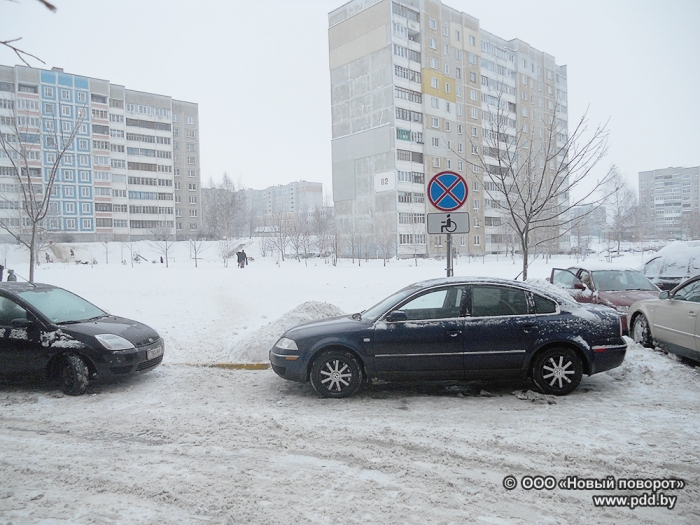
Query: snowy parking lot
195, 443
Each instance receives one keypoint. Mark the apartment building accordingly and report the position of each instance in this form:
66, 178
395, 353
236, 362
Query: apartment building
293, 198
132, 170
418, 88
670, 200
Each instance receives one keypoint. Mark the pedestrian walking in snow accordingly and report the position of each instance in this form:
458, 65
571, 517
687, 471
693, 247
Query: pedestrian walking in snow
48, 259
11, 276
242, 258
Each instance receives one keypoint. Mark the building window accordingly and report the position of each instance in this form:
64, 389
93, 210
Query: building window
433, 63
432, 23
432, 43
435, 122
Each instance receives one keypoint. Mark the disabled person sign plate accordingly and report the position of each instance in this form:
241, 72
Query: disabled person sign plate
447, 191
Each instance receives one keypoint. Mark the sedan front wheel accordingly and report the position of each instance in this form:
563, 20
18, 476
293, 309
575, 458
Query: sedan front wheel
641, 332
336, 373
557, 371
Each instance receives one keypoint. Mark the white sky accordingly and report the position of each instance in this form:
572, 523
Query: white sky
259, 70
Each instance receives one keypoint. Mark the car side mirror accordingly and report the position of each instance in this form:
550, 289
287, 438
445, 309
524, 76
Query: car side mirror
664, 295
579, 286
397, 316
21, 323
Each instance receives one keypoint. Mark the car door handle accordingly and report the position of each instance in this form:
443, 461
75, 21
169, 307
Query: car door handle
454, 333
529, 328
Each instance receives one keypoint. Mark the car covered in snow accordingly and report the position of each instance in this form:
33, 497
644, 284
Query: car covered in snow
607, 284
673, 264
455, 328
671, 321
46, 330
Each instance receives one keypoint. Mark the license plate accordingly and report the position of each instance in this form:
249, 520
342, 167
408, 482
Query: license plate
154, 352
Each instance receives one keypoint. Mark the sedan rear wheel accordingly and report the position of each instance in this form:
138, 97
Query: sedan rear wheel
73, 375
557, 371
641, 332
336, 373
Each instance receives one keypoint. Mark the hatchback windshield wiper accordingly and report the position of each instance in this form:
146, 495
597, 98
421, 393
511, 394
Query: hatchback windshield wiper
357, 316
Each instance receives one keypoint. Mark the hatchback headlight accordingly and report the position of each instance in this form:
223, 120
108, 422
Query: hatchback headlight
286, 344
114, 342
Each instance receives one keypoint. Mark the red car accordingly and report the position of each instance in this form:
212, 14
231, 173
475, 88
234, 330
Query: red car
614, 286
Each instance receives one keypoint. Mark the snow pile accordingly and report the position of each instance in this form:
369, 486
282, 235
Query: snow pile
256, 346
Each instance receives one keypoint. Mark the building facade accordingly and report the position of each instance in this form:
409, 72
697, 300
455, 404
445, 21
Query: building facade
132, 170
293, 198
418, 88
670, 201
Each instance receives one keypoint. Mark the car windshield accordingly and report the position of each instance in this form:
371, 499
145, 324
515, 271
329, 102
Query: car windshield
61, 306
621, 280
372, 314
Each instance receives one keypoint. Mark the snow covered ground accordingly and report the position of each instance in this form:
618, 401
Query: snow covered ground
191, 443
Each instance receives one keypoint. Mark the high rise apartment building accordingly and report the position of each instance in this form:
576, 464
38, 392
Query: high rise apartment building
416, 88
293, 198
669, 198
133, 169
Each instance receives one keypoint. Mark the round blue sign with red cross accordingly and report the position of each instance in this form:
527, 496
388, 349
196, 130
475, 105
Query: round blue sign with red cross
447, 191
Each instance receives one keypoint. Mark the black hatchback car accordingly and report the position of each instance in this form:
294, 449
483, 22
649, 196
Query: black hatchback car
455, 328
46, 330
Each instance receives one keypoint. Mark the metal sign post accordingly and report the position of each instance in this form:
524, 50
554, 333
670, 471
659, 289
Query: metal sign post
448, 191
448, 223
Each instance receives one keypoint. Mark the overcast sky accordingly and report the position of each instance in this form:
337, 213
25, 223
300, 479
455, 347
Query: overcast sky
259, 70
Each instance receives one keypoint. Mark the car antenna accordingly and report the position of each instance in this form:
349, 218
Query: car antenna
18, 275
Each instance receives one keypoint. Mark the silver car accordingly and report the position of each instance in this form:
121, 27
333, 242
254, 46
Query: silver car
671, 321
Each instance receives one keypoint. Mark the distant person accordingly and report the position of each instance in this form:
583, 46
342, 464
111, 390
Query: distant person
48, 259
11, 276
72, 253
242, 259
161, 259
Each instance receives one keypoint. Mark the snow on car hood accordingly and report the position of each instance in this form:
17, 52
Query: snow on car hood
136, 333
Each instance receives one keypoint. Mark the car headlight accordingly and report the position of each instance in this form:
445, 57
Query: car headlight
114, 342
286, 344
622, 309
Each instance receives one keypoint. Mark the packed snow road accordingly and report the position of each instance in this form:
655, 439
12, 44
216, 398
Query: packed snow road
188, 444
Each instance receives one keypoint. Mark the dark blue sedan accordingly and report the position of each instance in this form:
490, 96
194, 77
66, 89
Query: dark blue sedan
455, 328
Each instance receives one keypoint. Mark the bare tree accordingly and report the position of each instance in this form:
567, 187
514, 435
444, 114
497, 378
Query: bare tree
226, 250
224, 210
529, 174
621, 202
22, 146
197, 246
323, 229
163, 239
690, 225
384, 231
277, 224
23, 55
